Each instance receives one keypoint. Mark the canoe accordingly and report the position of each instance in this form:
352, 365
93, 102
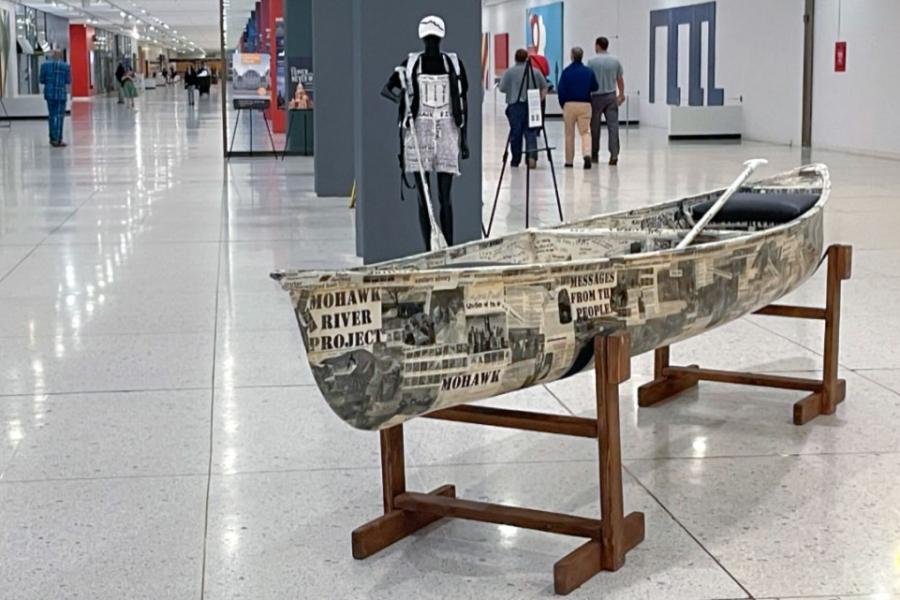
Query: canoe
394, 340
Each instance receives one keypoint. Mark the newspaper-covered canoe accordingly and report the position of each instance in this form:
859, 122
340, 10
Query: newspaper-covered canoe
393, 340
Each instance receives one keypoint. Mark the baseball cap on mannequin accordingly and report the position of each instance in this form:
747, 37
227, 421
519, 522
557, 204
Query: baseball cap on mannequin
431, 25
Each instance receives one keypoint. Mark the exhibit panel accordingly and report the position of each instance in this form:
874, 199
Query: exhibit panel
390, 203
333, 115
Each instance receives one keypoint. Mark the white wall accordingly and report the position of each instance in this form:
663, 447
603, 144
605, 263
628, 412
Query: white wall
583, 22
759, 54
856, 110
12, 74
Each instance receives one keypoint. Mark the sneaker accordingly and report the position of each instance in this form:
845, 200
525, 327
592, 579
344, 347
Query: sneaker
613, 161
587, 162
532, 163
568, 165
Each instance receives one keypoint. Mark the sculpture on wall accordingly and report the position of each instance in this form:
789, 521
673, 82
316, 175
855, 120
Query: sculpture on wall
693, 15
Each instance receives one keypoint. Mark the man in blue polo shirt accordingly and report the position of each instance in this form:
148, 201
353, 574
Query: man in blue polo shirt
575, 87
56, 78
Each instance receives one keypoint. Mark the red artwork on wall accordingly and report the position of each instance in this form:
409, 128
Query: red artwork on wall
501, 53
840, 57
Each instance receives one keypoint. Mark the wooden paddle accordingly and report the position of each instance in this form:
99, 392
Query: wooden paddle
749, 167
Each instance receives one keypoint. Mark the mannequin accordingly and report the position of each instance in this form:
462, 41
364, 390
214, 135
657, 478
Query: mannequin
440, 113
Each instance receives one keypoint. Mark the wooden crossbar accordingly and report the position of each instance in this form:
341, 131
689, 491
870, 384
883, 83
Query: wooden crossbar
519, 419
754, 379
795, 312
500, 514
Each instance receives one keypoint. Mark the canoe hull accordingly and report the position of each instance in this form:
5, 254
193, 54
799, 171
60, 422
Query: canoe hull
388, 348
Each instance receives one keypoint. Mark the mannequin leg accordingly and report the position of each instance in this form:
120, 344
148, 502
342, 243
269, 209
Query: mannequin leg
445, 183
424, 222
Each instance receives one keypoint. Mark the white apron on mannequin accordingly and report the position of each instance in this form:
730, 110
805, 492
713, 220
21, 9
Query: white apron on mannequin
437, 131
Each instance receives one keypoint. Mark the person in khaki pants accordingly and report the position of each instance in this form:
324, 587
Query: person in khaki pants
576, 84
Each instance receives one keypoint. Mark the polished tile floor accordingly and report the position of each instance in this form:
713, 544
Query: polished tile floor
159, 436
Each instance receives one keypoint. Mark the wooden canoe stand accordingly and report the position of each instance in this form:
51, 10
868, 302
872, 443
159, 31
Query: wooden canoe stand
824, 394
609, 537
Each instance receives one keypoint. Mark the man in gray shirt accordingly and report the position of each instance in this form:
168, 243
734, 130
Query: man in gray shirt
515, 83
606, 100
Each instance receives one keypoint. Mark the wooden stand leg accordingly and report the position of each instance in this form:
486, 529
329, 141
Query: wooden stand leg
825, 394
618, 534
834, 390
393, 465
396, 524
610, 371
663, 386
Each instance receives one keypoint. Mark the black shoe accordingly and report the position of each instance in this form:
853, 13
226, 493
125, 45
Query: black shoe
587, 162
568, 165
514, 165
613, 161
595, 158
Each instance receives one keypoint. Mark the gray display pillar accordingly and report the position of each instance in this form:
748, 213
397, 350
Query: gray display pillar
298, 46
332, 50
384, 33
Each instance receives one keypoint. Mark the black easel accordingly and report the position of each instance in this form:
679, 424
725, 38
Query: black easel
529, 72
253, 104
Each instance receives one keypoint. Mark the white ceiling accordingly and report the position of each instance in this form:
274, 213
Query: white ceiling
184, 25
188, 26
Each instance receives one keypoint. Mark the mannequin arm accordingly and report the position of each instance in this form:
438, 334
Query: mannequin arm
392, 90
391, 93
463, 131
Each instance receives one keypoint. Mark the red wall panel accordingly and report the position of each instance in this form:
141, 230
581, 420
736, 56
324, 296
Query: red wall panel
276, 11
80, 59
501, 53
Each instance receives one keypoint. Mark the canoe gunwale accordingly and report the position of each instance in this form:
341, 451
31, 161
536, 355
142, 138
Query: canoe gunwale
370, 274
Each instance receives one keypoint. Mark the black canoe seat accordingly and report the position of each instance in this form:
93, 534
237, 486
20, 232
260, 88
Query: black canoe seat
771, 208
